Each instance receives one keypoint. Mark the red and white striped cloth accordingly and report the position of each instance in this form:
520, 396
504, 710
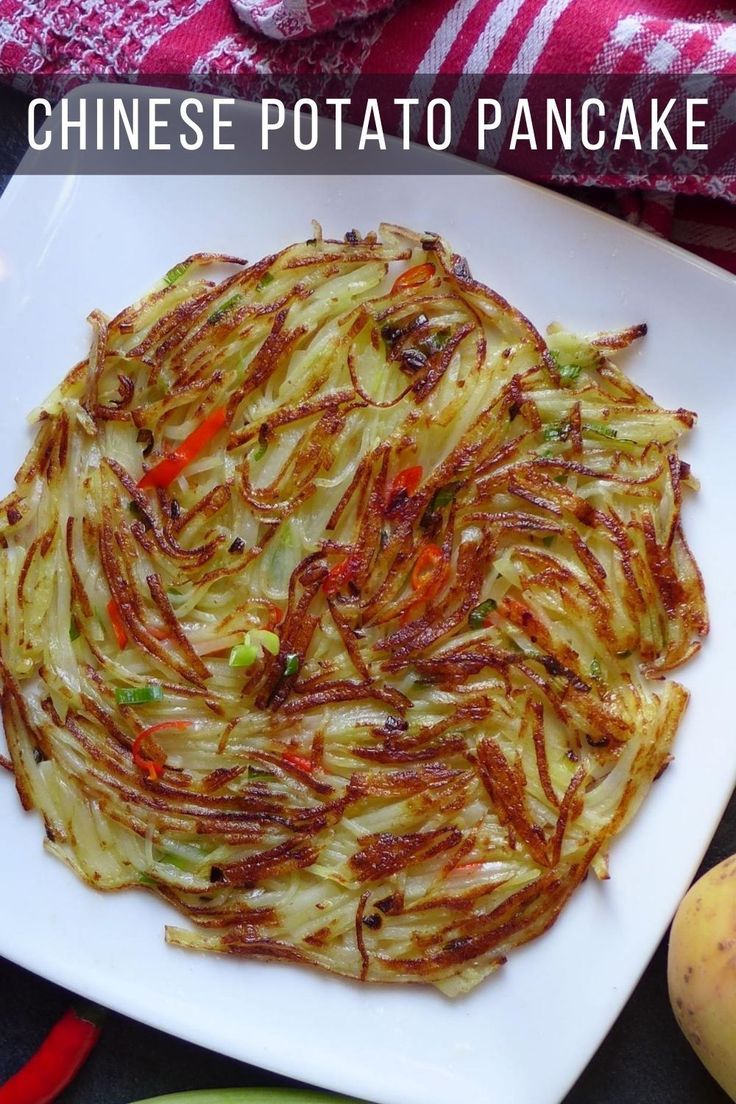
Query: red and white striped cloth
404, 38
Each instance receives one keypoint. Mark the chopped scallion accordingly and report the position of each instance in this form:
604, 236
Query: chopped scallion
444, 496
595, 669
556, 431
267, 639
441, 498
139, 695
175, 273
570, 372
226, 307
600, 428
264, 281
437, 341
291, 665
479, 616
244, 655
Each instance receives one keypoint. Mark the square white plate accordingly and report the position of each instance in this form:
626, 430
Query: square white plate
68, 245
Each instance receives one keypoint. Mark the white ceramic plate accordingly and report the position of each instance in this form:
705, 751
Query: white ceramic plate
68, 245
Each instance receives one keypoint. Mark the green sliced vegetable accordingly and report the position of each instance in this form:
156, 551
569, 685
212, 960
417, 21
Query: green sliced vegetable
600, 428
444, 496
175, 273
244, 655
441, 498
569, 372
225, 308
139, 695
264, 281
74, 630
437, 341
267, 639
260, 450
595, 669
292, 664
480, 614
556, 431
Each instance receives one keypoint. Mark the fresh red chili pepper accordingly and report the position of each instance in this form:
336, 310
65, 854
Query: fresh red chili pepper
152, 766
171, 466
297, 761
116, 620
429, 570
413, 277
340, 575
404, 486
57, 1060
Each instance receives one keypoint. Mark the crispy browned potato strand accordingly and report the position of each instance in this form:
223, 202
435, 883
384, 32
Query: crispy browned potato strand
337, 608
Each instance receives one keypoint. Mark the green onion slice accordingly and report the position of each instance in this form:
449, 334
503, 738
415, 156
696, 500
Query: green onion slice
480, 614
139, 695
570, 372
244, 655
175, 273
267, 639
291, 665
600, 428
225, 308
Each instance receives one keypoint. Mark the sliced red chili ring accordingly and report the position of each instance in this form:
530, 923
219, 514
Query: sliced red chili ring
340, 575
404, 486
429, 569
166, 471
413, 277
118, 625
297, 761
152, 766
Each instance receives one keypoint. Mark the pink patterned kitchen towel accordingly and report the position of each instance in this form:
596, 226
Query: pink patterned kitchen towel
300, 18
406, 39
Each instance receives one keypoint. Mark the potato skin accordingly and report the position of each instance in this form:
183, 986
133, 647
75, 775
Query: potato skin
701, 971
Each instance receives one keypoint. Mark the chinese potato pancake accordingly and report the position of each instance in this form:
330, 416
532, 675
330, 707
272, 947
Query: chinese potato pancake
339, 605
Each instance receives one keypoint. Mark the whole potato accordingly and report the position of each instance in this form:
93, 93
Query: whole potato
701, 971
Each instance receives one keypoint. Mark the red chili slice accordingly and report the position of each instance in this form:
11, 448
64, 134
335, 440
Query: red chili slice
340, 575
404, 486
297, 761
152, 766
413, 277
429, 570
118, 625
171, 466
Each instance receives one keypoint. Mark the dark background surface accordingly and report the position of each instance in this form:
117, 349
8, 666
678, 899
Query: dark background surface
644, 1059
